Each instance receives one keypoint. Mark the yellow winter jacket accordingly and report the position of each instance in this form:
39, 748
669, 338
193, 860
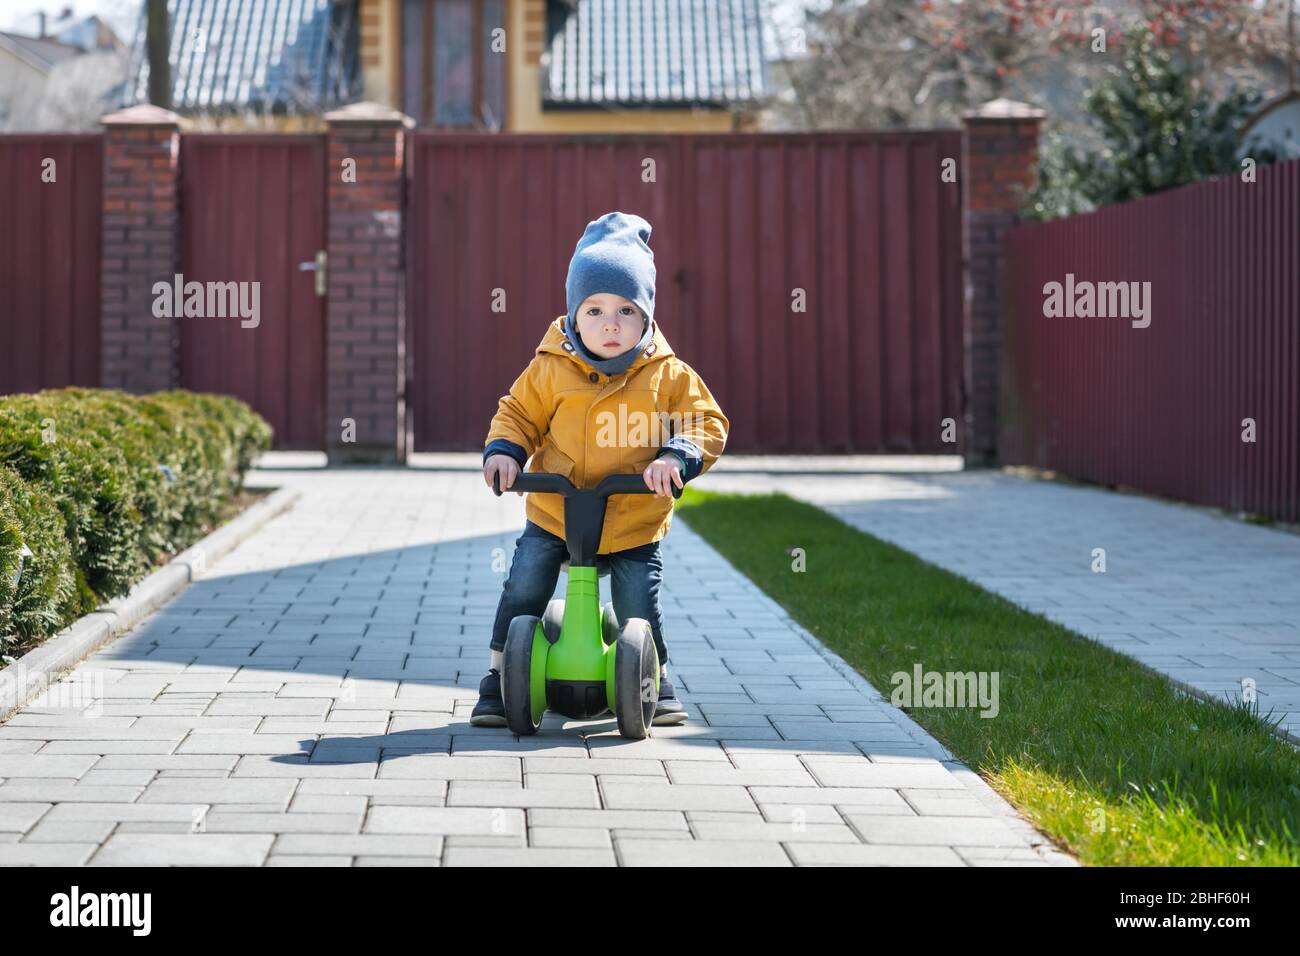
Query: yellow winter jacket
572, 420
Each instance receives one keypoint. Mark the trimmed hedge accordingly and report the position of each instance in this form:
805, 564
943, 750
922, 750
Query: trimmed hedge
99, 485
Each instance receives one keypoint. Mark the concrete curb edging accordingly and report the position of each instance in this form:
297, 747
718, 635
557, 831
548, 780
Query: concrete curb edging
31, 674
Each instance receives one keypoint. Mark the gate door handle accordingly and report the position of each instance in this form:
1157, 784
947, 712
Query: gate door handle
318, 266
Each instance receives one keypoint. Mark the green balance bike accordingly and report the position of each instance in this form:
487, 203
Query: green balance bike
576, 659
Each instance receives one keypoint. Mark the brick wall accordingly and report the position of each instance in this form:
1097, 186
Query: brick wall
140, 247
365, 317
999, 162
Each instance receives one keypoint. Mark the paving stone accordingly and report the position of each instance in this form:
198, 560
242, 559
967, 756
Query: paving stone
43, 765
70, 831
811, 796
932, 830
188, 849
388, 787
950, 803
577, 781
286, 744
470, 794
846, 854
388, 861
296, 860
165, 762
758, 830
814, 813
298, 766
894, 776
528, 856
594, 765
20, 817
46, 854
218, 821
179, 813
328, 803
622, 796
615, 748
577, 837
446, 767
333, 844
32, 790
58, 747
702, 772
673, 820
445, 820
219, 791
642, 852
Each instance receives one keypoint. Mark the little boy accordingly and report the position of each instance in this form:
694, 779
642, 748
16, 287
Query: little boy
603, 395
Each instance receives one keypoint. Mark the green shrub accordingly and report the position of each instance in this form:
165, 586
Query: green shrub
123, 480
38, 589
89, 480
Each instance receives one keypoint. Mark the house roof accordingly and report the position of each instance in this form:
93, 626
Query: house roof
40, 52
88, 33
652, 53
276, 54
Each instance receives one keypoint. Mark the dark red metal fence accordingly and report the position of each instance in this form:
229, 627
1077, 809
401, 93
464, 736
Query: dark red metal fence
862, 222
252, 210
1161, 408
49, 261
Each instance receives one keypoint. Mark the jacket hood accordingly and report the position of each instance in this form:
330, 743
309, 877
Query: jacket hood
555, 341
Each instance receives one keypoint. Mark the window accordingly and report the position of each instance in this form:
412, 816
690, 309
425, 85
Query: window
451, 76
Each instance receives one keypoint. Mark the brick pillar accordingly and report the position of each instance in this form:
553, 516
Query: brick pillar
365, 309
141, 246
1000, 157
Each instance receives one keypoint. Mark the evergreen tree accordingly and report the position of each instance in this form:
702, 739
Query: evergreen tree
1157, 129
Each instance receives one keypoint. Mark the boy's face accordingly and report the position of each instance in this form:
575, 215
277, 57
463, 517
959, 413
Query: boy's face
609, 324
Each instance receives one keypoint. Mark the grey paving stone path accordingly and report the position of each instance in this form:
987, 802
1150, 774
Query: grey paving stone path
307, 702
1204, 598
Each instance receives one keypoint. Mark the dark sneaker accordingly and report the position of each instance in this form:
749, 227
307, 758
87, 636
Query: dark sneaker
669, 710
490, 711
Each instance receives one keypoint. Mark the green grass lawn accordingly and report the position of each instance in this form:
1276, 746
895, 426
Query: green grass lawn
1105, 756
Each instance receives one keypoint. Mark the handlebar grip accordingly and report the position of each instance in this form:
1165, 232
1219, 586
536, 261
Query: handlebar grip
541, 481
629, 485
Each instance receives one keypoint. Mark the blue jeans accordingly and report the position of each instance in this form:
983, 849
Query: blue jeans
634, 576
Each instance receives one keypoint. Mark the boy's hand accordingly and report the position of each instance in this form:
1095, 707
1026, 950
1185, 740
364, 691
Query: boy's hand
662, 473
502, 465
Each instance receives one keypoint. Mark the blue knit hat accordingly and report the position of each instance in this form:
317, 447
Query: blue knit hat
613, 256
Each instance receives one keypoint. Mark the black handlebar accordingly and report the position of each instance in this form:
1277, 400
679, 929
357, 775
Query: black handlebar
546, 482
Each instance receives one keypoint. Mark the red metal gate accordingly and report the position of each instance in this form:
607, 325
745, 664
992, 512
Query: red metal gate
50, 197
253, 210
862, 222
